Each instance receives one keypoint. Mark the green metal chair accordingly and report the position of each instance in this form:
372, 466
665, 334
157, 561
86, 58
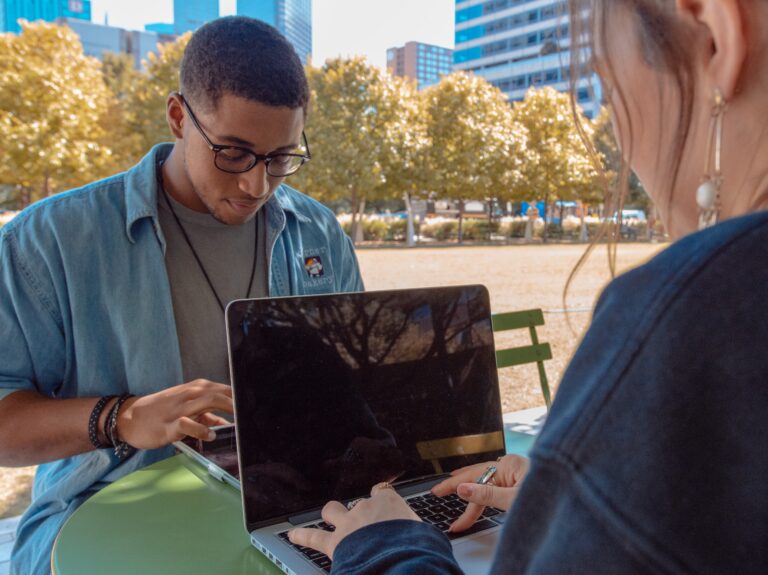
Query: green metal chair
536, 353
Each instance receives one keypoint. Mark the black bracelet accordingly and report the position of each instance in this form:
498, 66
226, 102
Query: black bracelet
122, 449
93, 422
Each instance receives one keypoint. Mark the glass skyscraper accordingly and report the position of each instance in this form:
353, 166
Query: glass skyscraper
515, 44
292, 17
49, 10
191, 14
424, 63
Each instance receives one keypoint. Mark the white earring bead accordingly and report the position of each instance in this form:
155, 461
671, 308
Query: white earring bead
706, 195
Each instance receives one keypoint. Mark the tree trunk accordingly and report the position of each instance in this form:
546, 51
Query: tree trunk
491, 202
461, 221
46, 186
410, 238
584, 235
359, 236
544, 217
354, 205
25, 196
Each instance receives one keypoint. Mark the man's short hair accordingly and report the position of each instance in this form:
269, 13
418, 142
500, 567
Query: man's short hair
244, 57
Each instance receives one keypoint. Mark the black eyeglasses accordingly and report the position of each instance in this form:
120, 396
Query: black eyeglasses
236, 160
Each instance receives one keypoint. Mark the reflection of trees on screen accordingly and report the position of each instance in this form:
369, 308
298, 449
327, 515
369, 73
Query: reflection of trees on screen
393, 328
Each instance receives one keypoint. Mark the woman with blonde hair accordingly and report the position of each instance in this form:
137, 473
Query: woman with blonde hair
653, 458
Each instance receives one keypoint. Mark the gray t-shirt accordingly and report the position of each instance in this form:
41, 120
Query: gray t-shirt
226, 253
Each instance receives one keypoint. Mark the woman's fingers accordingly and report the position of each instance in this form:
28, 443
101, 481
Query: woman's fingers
487, 495
479, 497
459, 476
313, 538
471, 514
333, 512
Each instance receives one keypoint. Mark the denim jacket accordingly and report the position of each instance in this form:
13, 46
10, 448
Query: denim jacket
654, 457
86, 311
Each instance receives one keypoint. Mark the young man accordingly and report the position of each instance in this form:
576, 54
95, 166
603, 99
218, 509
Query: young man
119, 287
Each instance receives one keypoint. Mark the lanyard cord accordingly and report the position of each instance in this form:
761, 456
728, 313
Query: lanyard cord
192, 249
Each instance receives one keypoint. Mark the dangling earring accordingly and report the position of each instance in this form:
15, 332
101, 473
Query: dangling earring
708, 194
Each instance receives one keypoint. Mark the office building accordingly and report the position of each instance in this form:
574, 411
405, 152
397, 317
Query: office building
293, 18
164, 28
515, 44
49, 10
189, 15
99, 38
424, 63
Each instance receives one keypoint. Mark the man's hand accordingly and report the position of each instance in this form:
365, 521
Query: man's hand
510, 471
384, 505
156, 420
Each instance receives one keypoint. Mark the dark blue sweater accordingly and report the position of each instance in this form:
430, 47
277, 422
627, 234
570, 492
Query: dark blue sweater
655, 455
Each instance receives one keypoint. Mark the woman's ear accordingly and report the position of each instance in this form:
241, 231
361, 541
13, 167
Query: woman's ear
174, 114
728, 46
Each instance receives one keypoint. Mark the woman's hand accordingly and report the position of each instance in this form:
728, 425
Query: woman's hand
384, 505
156, 420
510, 471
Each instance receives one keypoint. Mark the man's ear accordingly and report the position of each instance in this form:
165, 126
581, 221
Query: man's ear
174, 114
728, 46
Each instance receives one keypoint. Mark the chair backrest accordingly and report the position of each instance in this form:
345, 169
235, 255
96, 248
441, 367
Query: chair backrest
437, 449
535, 353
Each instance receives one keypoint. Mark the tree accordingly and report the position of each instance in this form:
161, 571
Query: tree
53, 109
406, 172
557, 165
145, 102
121, 78
605, 144
351, 109
474, 142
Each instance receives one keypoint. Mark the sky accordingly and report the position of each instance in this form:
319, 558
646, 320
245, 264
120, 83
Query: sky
339, 27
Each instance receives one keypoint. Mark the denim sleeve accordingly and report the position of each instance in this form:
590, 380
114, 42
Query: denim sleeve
351, 280
32, 350
395, 548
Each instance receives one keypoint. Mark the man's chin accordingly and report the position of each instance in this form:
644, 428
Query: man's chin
235, 213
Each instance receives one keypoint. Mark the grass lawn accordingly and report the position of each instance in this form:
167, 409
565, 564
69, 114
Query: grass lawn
517, 277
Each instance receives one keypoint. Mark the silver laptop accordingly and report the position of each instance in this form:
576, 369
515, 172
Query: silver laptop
336, 393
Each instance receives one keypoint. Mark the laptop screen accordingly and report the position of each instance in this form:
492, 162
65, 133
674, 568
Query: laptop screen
336, 393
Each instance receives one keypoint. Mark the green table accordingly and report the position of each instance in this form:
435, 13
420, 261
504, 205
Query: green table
169, 518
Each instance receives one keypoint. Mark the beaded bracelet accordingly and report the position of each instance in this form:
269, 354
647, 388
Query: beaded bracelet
122, 449
93, 422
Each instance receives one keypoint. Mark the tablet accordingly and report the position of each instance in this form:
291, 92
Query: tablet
218, 457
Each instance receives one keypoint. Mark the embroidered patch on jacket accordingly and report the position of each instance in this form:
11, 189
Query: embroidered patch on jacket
314, 266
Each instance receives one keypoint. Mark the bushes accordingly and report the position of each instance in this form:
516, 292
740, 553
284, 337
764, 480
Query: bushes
373, 230
515, 228
441, 230
380, 230
479, 229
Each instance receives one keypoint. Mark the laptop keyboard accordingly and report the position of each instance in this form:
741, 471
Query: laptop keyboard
439, 511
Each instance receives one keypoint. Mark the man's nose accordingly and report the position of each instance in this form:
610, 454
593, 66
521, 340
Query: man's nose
254, 182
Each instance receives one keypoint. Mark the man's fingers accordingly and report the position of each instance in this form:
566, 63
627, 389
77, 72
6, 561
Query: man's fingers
313, 538
208, 402
207, 386
332, 512
187, 426
471, 514
487, 495
211, 420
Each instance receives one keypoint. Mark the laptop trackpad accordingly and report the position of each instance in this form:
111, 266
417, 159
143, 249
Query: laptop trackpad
475, 553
